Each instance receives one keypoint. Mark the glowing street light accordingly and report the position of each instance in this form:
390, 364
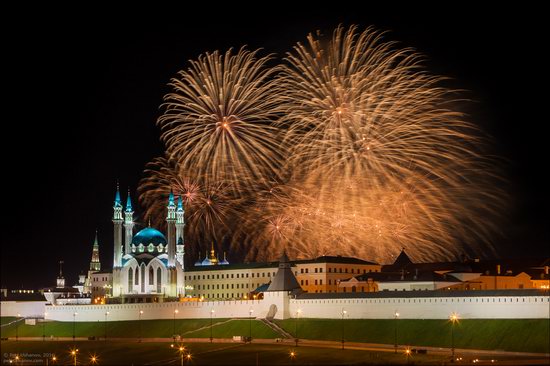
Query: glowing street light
298, 313
139, 323
211, 315
181, 350
105, 325
74, 324
344, 312
74, 353
250, 325
396, 316
408, 354
188, 357
174, 325
454, 319
44, 327
292, 356
93, 360
17, 327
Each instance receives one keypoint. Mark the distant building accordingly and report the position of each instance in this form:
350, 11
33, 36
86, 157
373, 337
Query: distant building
63, 295
243, 280
101, 284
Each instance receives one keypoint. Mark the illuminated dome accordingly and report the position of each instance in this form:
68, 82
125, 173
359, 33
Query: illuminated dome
149, 236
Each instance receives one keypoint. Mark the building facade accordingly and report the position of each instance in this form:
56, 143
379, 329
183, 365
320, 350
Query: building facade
243, 281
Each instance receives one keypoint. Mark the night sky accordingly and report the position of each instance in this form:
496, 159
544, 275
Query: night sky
82, 94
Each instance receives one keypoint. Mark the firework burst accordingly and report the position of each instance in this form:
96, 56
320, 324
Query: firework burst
209, 209
379, 159
368, 151
218, 120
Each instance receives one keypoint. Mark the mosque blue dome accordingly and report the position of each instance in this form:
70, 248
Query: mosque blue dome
148, 236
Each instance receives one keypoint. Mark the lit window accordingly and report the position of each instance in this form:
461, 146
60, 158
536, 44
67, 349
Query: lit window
150, 247
141, 248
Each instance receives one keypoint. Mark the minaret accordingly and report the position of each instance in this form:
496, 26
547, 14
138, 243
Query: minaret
95, 265
117, 223
180, 225
171, 221
128, 224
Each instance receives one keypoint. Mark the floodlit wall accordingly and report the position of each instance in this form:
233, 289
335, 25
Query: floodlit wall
280, 306
186, 310
486, 307
24, 308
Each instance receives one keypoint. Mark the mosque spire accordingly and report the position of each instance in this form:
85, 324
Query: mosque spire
118, 202
129, 203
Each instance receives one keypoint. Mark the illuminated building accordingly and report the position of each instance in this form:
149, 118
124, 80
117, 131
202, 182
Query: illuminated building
148, 266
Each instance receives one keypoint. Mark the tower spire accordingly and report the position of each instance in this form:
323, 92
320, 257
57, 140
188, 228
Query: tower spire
128, 224
129, 203
118, 202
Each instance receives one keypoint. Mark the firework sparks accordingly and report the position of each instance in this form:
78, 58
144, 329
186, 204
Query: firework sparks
218, 120
208, 208
379, 160
367, 150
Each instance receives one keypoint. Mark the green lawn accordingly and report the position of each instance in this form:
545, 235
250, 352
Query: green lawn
527, 335
189, 328
120, 353
511, 335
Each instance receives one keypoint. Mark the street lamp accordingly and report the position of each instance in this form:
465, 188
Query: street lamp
292, 356
105, 325
454, 319
250, 325
93, 360
17, 327
174, 326
408, 354
74, 324
139, 323
188, 356
396, 316
74, 352
211, 315
298, 312
44, 327
344, 312
181, 350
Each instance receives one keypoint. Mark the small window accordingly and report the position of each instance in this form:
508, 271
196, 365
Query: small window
150, 247
141, 248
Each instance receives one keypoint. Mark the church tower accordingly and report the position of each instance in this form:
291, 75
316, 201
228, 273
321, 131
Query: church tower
171, 223
128, 224
117, 222
180, 225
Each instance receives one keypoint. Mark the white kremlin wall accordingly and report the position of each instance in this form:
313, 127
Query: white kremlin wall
27, 309
279, 305
487, 307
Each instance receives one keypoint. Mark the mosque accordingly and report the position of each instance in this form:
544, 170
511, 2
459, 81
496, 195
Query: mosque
149, 265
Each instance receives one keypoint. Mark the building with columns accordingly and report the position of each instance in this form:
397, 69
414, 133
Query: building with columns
148, 266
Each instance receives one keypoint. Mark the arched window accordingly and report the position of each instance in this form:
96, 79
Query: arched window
136, 277
159, 280
130, 279
151, 274
143, 278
